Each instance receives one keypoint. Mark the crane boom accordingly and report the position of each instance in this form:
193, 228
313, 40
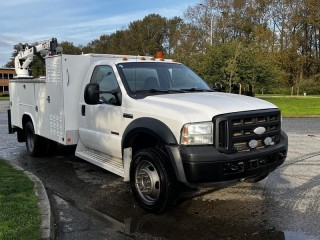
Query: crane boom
25, 57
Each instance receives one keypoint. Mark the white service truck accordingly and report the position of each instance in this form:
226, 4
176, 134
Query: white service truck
153, 122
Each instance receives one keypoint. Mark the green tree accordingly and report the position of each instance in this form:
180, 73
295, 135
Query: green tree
147, 35
10, 63
70, 48
37, 67
172, 35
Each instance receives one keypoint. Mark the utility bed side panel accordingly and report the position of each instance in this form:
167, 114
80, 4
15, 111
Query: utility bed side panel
49, 100
22, 100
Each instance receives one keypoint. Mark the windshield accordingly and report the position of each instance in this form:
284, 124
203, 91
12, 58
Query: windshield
159, 77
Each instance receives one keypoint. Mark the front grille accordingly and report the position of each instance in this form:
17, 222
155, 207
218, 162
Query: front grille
234, 131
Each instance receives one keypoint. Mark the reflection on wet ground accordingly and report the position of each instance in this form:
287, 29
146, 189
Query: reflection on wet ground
148, 226
193, 219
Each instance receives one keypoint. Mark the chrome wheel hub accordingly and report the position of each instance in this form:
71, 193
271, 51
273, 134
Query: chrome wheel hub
147, 182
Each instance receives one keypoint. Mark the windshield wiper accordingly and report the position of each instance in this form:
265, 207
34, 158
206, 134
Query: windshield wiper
196, 90
167, 90
177, 90
154, 90
151, 91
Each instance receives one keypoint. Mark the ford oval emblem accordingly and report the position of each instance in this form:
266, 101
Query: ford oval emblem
259, 130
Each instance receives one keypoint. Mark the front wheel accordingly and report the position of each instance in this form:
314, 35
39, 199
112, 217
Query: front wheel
152, 180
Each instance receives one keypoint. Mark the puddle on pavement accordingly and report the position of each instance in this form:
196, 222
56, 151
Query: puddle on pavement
155, 226
198, 219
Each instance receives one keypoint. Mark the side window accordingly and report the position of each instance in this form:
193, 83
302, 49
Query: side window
104, 76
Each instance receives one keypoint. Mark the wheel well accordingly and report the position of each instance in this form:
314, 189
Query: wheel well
143, 140
146, 139
25, 119
20, 132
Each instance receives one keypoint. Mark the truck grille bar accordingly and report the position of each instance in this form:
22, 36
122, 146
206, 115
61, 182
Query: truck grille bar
234, 131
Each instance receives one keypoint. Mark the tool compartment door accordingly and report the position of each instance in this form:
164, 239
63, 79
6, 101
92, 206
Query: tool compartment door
49, 101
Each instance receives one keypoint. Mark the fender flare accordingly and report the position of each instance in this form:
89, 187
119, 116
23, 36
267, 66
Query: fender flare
151, 126
163, 133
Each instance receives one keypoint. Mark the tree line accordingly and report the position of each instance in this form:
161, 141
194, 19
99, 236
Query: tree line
273, 45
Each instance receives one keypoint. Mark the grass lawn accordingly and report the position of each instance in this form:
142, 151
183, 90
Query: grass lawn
296, 106
19, 212
4, 98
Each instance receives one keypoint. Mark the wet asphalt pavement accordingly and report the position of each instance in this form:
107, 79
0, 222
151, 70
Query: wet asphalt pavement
91, 203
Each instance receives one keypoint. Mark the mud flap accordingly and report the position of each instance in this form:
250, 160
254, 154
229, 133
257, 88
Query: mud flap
127, 157
10, 128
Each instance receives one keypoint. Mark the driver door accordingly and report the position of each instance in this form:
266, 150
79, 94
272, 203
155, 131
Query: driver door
102, 122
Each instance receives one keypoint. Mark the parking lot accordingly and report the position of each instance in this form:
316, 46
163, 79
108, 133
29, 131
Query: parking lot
91, 203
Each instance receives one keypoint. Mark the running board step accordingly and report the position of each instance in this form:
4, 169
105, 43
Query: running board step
114, 165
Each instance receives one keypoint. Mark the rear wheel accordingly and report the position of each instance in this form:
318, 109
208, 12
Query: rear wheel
35, 144
152, 180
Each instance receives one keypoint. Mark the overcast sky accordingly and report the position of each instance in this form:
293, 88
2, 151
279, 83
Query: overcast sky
77, 21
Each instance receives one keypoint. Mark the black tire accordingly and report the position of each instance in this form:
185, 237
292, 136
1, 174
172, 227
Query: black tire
152, 180
257, 178
35, 144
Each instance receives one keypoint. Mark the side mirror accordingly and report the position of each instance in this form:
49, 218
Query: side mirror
91, 94
119, 97
218, 86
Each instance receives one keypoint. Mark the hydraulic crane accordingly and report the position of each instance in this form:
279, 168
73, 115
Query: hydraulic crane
24, 58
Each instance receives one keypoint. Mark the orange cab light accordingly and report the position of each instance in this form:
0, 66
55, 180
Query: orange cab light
161, 59
142, 58
125, 59
152, 59
174, 60
159, 55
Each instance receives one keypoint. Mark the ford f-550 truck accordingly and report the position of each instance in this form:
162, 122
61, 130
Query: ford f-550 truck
153, 122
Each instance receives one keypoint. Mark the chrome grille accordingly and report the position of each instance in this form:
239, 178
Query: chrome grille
234, 131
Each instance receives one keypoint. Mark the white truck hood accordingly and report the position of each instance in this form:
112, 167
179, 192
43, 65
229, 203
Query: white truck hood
198, 107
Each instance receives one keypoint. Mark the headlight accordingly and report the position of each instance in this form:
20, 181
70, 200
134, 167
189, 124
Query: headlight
197, 133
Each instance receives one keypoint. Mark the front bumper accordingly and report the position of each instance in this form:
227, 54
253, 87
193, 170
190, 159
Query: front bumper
204, 164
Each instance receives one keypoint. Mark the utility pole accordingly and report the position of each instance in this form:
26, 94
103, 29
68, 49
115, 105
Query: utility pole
211, 22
